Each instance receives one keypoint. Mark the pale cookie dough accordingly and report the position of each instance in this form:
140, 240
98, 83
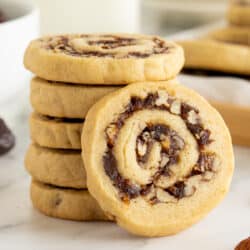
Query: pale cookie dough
158, 157
65, 100
231, 35
56, 132
65, 203
238, 120
63, 168
209, 54
239, 12
104, 59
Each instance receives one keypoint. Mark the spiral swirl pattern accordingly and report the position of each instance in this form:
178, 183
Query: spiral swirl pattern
157, 149
158, 157
123, 46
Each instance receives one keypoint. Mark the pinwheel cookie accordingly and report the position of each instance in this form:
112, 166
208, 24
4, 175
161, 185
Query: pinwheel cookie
103, 58
158, 157
239, 12
53, 132
231, 35
63, 168
218, 51
65, 100
65, 203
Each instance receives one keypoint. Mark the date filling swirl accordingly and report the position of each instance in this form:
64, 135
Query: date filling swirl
164, 162
115, 46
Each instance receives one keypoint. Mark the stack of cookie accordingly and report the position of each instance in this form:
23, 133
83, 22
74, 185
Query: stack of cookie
224, 49
239, 13
72, 73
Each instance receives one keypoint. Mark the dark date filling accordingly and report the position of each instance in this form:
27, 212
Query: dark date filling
63, 45
171, 145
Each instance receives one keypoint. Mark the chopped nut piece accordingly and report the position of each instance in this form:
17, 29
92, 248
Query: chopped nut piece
164, 160
111, 132
205, 161
192, 117
216, 164
163, 137
55, 41
152, 134
177, 190
151, 194
176, 107
189, 190
78, 44
141, 148
68, 48
146, 136
164, 196
162, 99
163, 181
178, 141
166, 143
191, 185
207, 176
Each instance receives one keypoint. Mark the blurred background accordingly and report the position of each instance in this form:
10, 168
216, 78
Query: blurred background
148, 16
23, 20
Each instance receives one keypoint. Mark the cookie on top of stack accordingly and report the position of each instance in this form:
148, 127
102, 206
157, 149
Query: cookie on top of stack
72, 73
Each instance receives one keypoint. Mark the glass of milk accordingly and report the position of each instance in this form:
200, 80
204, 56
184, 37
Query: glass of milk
88, 16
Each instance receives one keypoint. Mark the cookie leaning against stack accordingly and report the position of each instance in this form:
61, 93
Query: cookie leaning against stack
73, 72
158, 157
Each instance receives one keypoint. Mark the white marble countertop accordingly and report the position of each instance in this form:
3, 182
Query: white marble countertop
21, 227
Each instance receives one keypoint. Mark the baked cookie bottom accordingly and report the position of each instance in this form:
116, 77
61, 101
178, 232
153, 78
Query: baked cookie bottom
53, 132
239, 14
64, 203
63, 168
65, 100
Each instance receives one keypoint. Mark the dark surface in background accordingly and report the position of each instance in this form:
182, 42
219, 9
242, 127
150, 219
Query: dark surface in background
2, 17
212, 73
